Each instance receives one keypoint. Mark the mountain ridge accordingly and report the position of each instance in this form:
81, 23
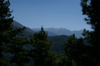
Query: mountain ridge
50, 31
61, 31
26, 32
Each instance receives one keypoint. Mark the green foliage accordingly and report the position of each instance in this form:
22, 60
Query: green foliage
5, 25
11, 41
53, 59
82, 54
41, 51
74, 49
4, 62
42, 35
90, 8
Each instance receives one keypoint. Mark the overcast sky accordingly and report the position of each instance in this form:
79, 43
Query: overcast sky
49, 13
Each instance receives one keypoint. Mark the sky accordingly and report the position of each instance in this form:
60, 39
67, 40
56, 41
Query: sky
49, 14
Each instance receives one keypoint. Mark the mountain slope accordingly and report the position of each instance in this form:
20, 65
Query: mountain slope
26, 32
58, 42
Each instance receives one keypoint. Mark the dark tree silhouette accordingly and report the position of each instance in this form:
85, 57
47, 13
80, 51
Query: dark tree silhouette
41, 50
90, 52
91, 9
11, 40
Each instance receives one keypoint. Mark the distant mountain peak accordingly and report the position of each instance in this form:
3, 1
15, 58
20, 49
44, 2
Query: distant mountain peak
60, 31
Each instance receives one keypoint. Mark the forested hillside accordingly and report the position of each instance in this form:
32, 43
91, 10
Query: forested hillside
19, 46
27, 30
58, 42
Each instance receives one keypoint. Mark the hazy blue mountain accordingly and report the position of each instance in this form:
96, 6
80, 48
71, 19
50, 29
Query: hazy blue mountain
60, 31
27, 31
50, 33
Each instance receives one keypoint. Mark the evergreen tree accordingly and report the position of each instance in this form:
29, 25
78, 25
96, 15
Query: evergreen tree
5, 25
74, 49
65, 61
41, 50
91, 9
11, 42
82, 54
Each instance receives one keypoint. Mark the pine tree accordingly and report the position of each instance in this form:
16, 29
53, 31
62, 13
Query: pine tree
5, 25
91, 9
74, 50
41, 50
11, 42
